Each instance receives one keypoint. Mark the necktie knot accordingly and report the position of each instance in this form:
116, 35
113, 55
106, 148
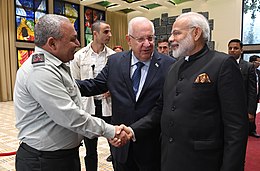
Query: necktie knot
139, 65
137, 76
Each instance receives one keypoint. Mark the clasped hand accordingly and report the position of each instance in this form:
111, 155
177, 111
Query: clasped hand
122, 136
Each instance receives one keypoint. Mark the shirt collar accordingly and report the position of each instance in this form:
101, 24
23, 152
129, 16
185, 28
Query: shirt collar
238, 59
102, 52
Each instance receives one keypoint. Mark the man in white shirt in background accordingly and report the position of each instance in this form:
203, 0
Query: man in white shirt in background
87, 63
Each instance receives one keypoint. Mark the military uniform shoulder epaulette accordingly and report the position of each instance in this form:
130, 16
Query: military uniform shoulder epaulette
38, 59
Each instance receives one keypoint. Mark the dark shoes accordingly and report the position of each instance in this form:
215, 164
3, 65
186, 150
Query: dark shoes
109, 158
254, 134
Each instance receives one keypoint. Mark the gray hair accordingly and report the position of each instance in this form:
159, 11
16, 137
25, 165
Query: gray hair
48, 25
137, 20
96, 25
197, 20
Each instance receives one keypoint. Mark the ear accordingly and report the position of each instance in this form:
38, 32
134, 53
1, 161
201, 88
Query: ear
51, 42
127, 37
95, 33
197, 33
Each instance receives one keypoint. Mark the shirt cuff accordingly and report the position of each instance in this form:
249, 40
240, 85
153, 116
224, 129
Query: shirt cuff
110, 131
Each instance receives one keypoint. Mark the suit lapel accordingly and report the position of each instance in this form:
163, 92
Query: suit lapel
153, 69
126, 66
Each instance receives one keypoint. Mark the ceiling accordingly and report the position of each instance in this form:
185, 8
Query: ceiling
127, 6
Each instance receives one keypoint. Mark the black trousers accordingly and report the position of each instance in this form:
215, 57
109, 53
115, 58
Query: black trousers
30, 159
252, 125
91, 158
133, 165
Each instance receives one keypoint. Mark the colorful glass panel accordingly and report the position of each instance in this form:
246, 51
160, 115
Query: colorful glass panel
25, 28
90, 16
58, 7
70, 10
23, 55
27, 14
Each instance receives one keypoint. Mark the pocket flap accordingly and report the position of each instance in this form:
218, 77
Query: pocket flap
206, 144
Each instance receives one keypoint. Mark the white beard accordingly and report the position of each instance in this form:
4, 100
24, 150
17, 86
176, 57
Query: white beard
184, 47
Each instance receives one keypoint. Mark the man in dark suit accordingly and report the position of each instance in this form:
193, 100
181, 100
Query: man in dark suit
163, 46
128, 104
256, 62
235, 48
202, 109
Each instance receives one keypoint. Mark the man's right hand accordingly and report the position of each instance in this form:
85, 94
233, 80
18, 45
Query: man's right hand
123, 135
251, 117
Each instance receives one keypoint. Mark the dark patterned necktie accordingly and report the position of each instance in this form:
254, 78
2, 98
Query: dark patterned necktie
137, 76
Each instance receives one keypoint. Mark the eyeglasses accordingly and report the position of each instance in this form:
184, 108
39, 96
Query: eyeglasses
179, 32
142, 39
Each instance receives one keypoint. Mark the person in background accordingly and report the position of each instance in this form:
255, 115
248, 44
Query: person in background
202, 109
47, 102
118, 49
134, 79
87, 63
256, 62
163, 46
235, 49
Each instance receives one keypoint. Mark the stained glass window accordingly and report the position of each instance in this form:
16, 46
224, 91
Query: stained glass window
23, 55
70, 10
27, 14
91, 15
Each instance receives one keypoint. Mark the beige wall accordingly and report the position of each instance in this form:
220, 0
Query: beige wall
227, 15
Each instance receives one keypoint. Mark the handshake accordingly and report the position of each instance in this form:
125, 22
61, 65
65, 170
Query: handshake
123, 135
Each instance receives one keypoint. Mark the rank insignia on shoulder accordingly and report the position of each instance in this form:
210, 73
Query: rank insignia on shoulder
38, 58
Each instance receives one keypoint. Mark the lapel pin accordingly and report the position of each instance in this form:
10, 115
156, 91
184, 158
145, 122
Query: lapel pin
156, 65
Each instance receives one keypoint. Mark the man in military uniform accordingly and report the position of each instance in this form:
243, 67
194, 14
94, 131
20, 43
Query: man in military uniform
47, 102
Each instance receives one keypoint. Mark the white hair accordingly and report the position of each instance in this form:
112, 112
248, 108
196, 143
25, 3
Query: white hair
137, 20
197, 20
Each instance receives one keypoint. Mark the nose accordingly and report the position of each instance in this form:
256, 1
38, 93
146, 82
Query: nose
77, 43
171, 38
146, 42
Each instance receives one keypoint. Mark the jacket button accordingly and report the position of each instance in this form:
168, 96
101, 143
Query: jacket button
173, 108
170, 139
177, 93
181, 78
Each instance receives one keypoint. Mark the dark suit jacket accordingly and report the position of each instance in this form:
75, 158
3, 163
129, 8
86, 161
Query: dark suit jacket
258, 94
115, 77
249, 77
203, 125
